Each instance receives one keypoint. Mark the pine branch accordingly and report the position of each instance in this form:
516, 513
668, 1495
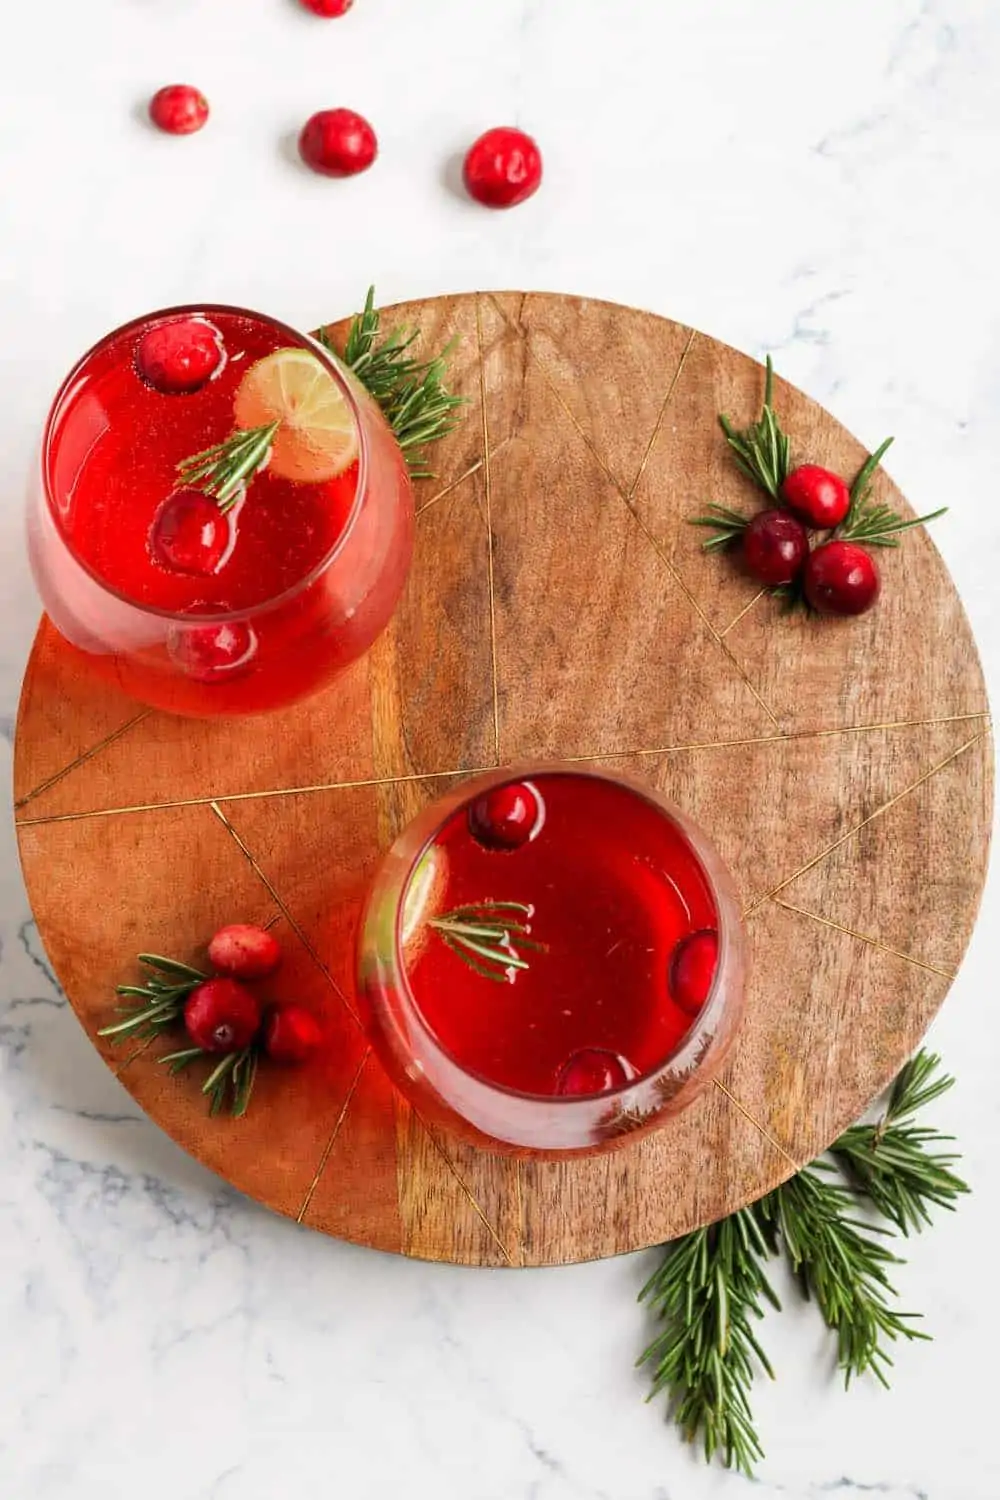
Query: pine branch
411, 392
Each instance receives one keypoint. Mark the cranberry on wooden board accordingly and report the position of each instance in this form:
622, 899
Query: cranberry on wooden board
775, 546
178, 109
818, 497
221, 1016
291, 1034
338, 143
841, 579
244, 951
503, 167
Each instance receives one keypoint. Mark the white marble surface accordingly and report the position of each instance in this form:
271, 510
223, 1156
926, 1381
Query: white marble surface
817, 180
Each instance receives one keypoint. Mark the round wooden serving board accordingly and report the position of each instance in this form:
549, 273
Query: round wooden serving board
559, 606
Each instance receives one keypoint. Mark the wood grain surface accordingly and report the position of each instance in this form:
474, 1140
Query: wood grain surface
558, 606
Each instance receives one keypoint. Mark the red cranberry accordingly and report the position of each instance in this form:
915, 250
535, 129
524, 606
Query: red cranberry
818, 497
692, 969
291, 1034
211, 653
775, 546
328, 7
178, 109
502, 167
244, 951
180, 356
221, 1016
506, 817
338, 143
841, 579
190, 534
592, 1070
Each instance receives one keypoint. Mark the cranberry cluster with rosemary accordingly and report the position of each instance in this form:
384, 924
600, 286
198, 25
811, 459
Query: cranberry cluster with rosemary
806, 545
225, 1019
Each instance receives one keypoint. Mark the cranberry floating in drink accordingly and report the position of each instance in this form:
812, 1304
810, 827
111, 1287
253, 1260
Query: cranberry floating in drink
551, 959
224, 520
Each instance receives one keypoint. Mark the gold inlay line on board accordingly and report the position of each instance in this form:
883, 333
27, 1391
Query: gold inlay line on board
83, 757
692, 336
852, 832
474, 469
467, 1191
488, 494
127, 1061
744, 611
283, 908
864, 937
582, 759
328, 1148
738, 1104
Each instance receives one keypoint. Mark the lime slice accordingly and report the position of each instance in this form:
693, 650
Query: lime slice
317, 438
423, 894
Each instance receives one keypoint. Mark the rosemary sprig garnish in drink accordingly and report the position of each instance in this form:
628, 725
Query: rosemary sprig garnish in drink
224, 470
490, 936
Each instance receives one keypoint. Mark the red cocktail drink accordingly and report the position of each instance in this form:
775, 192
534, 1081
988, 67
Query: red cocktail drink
552, 960
225, 520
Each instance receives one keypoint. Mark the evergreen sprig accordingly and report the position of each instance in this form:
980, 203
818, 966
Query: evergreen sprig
411, 392
710, 1288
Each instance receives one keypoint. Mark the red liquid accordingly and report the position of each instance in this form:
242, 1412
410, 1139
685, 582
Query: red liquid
111, 461
615, 888
114, 460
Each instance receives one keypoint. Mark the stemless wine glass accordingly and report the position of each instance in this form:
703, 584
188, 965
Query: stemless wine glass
409, 880
211, 657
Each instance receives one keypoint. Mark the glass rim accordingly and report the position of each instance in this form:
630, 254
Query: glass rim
264, 606
713, 868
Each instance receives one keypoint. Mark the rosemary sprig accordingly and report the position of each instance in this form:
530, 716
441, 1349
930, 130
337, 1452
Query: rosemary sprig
711, 1285
411, 392
876, 525
224, 470
159, 1003
762, 450
891, 1161
489, 936
157, 1006
727, 525
709, 1291
842, 1264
